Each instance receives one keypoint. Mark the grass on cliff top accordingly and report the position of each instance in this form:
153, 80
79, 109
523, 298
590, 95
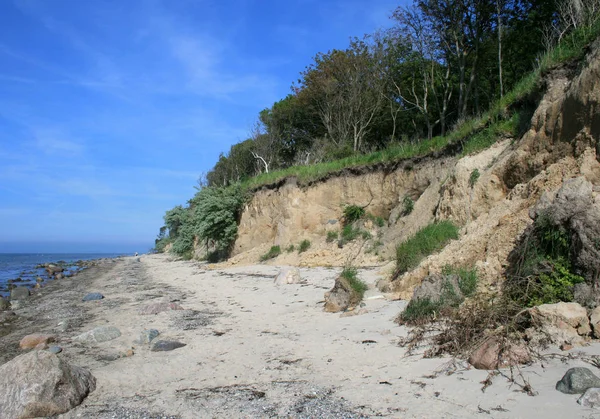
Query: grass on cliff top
476, 133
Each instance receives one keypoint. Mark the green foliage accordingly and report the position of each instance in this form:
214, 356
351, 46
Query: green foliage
542, 273
378, 221
215, 212
351, 275
331, 236
428, 240
290, 248
366, 235
407, 205
420, 310
467, 279
349, 233
353, 213
473, 178
272, 253
303, 246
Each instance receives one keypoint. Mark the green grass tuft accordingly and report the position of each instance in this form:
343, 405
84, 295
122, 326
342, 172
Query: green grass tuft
303, 246
351, 275
331, 236
426, 241
272, 253
290, 248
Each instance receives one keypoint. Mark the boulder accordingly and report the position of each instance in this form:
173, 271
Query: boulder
495, 353
54, 269
288, 276
166, 345
156, 308
341, 297
560, 323
40, 384
148, 335
4, 304
591, 398
33, 340
595, 322
19, 293
93, 296
98, 335
577, 381
436, 287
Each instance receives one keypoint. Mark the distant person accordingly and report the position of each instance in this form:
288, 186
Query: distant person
136, 254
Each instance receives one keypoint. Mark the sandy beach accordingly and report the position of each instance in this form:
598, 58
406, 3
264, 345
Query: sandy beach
254, 349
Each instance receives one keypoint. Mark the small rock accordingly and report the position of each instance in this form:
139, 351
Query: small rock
591, 398
288, 276
7, 316
566, 347
577, 380
166, 345
55, 349
4, 304
129, 353
93, 296
98, 335
19, 293
493, 353
156, 308
33, 340
147, 335
63, 325
39, 279
59, 276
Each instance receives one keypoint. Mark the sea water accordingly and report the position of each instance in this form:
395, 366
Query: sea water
23, 265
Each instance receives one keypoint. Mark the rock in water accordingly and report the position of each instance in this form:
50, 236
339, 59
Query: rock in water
33, 340
577, 380
148, 335
99, 334
166, 345
591, 398
40, 384
4, 304
19, 293
93, 296
288, 276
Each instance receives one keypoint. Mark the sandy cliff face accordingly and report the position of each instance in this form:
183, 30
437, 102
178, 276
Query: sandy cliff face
562, 142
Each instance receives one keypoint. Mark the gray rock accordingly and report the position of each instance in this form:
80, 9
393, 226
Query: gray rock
40, 384
55, 349
591, 398
93, 296
148, 335
166, 345
7, 316
577, 380
19, 293
4, 304
98, 335
436, 287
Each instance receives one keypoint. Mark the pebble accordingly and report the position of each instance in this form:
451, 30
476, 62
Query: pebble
93, 296
148, 335
55, 349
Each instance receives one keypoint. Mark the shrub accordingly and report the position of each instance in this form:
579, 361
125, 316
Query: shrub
303, 246
408, 205
419, 311
351, 275
349, 233
467, 279
378, 221
290, 248
474, 177
353, 213
426, 241
272, 253
366, 235
331, 236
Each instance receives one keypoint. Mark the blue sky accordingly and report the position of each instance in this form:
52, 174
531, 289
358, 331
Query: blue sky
110, 109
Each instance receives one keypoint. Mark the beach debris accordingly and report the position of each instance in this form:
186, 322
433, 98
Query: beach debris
494, 353
560, 323
288, 276
36, 339
40, 384
4, 304
591, 398
146, 336
98, 335
156, 308
93, 296
577, 380
166, 345
19, 293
